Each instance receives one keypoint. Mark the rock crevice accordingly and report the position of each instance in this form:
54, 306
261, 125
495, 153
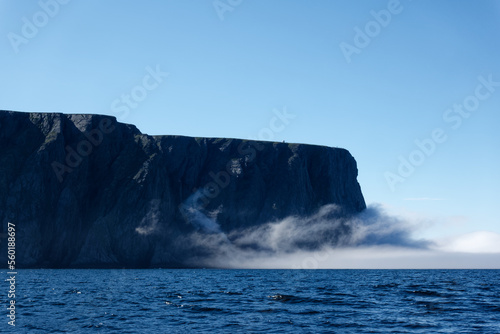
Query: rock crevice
88, 191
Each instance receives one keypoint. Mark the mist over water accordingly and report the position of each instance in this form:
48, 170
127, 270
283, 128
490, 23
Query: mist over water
285, 243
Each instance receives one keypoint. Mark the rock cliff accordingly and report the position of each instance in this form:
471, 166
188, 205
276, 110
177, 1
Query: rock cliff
87, 191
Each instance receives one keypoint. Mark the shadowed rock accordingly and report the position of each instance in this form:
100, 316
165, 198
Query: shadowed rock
88, 191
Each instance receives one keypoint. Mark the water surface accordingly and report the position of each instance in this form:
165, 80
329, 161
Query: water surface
256, 301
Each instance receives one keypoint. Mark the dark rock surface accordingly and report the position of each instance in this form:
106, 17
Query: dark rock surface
88, 191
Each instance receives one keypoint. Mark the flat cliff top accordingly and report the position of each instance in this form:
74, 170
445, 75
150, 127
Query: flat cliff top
89, 191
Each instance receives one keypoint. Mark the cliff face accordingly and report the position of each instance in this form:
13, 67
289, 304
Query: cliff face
87, 191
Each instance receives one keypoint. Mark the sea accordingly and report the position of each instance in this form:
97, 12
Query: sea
253, 301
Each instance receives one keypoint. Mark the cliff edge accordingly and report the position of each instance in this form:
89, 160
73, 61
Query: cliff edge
87, 191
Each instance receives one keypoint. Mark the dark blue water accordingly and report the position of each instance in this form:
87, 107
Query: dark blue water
256, 301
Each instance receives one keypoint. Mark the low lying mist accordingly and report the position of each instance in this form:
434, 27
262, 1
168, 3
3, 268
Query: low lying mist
317, 241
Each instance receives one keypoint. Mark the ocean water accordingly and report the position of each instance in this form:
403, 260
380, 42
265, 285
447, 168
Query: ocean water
255, 301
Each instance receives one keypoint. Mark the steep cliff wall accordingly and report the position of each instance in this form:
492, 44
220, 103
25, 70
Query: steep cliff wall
88, 191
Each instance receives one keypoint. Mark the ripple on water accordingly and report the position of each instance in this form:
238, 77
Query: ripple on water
267, 301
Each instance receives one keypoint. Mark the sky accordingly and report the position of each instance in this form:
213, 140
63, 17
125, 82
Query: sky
410, 88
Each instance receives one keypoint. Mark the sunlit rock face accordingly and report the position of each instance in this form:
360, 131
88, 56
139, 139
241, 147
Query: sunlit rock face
88, 191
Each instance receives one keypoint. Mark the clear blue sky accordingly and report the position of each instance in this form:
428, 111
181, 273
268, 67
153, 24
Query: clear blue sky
229, 71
